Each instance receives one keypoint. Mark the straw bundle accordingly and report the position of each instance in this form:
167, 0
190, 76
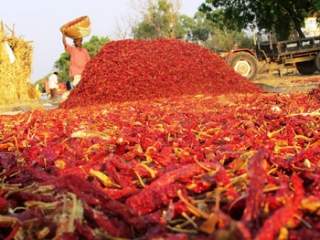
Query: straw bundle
14, 77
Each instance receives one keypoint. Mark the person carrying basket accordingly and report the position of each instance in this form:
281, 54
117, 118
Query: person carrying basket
79, 55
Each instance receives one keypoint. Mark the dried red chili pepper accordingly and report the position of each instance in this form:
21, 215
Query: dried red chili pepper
199, 145
281, 217
150, 198
258, 179
154, 69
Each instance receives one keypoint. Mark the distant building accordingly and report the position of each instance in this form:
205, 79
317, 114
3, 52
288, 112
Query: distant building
312, 27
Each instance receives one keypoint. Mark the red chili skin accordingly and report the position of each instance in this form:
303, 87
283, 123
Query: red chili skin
110, 226
255, 192
3, 204
13, 233
84, 231
274, 223
144, 202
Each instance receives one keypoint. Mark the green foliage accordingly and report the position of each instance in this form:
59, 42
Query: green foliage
197, 29
215, 35
280, 16
93, 46
62, 65
161, 20
225, 40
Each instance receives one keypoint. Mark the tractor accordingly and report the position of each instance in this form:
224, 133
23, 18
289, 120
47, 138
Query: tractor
304, 53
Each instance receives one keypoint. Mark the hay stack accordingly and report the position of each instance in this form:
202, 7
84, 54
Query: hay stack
14, 77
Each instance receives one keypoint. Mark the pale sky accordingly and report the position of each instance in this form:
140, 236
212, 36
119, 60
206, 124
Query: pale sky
39, 21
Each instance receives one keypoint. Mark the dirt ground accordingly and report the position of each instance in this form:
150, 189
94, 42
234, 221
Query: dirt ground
289, 82
14, 109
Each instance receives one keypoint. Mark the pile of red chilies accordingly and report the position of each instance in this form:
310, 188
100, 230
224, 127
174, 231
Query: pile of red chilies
192, 167
131, 70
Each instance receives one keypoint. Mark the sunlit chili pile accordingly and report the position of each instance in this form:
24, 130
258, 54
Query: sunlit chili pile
136, 69
201, 167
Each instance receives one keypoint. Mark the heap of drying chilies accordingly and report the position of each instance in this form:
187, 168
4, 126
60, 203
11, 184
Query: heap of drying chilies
131, 70
192, 167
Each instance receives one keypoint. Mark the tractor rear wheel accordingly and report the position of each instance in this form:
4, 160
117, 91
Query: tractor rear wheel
306, 68
244, 64
317, 61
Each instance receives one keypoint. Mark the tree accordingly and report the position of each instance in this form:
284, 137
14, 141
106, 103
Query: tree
214, 35
280, 16
197, 29
93, 46
160, 20
224, 40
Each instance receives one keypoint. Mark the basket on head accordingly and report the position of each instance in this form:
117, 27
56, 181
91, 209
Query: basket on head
77, 28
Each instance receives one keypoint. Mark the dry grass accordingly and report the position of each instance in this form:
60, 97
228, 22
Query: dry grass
14, 77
